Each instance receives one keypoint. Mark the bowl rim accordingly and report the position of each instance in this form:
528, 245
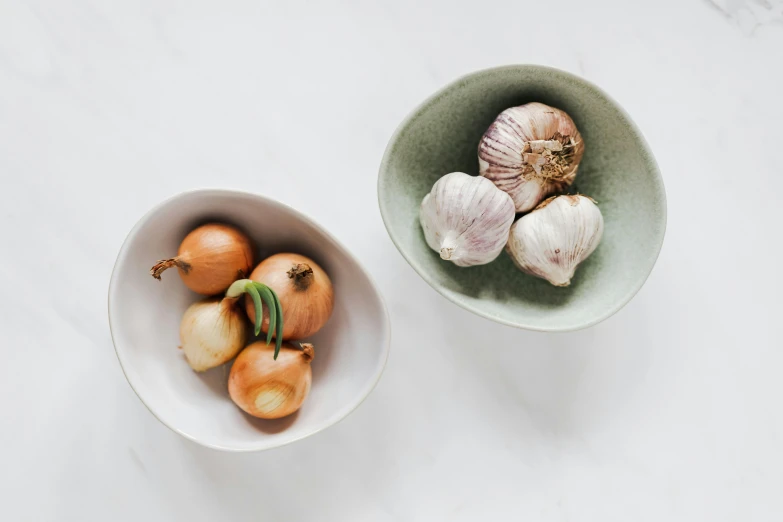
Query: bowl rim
526, 325
336, 417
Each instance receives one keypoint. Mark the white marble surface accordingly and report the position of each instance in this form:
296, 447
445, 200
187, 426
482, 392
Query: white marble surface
668, 411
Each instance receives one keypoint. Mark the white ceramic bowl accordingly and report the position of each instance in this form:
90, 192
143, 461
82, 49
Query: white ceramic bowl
144, 316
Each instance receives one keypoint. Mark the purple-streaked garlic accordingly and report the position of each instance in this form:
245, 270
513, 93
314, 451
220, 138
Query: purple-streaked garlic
560, 233
531, 151
466, 219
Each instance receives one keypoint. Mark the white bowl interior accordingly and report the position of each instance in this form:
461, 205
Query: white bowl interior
350, 351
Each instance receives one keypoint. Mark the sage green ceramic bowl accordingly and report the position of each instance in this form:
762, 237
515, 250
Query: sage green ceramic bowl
618, 170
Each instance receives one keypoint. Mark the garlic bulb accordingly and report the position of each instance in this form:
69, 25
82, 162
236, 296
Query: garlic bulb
212, 332
530, 152
551, 241
466, 219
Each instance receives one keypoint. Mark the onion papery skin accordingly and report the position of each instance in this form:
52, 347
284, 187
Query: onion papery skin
268, 388
306, 307
210, 258
212, 332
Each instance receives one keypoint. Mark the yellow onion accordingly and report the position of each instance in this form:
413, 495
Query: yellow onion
268, 388
212, 332
304, 290
210, 258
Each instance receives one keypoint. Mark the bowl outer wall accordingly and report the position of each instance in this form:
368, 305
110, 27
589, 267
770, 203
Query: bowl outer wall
476, 292
339, 414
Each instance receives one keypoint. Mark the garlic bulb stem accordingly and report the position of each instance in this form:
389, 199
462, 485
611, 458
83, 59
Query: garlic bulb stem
447, 247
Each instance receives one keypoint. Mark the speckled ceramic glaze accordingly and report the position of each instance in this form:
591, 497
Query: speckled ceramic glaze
618, 170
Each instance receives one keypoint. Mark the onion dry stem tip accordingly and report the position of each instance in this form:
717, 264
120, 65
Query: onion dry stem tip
164, 264
302, 274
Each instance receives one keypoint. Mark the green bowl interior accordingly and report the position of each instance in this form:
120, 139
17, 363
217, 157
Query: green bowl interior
617, 170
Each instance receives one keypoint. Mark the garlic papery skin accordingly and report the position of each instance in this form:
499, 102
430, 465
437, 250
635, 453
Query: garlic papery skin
212, 332
531, 151
466, 219
551, 241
